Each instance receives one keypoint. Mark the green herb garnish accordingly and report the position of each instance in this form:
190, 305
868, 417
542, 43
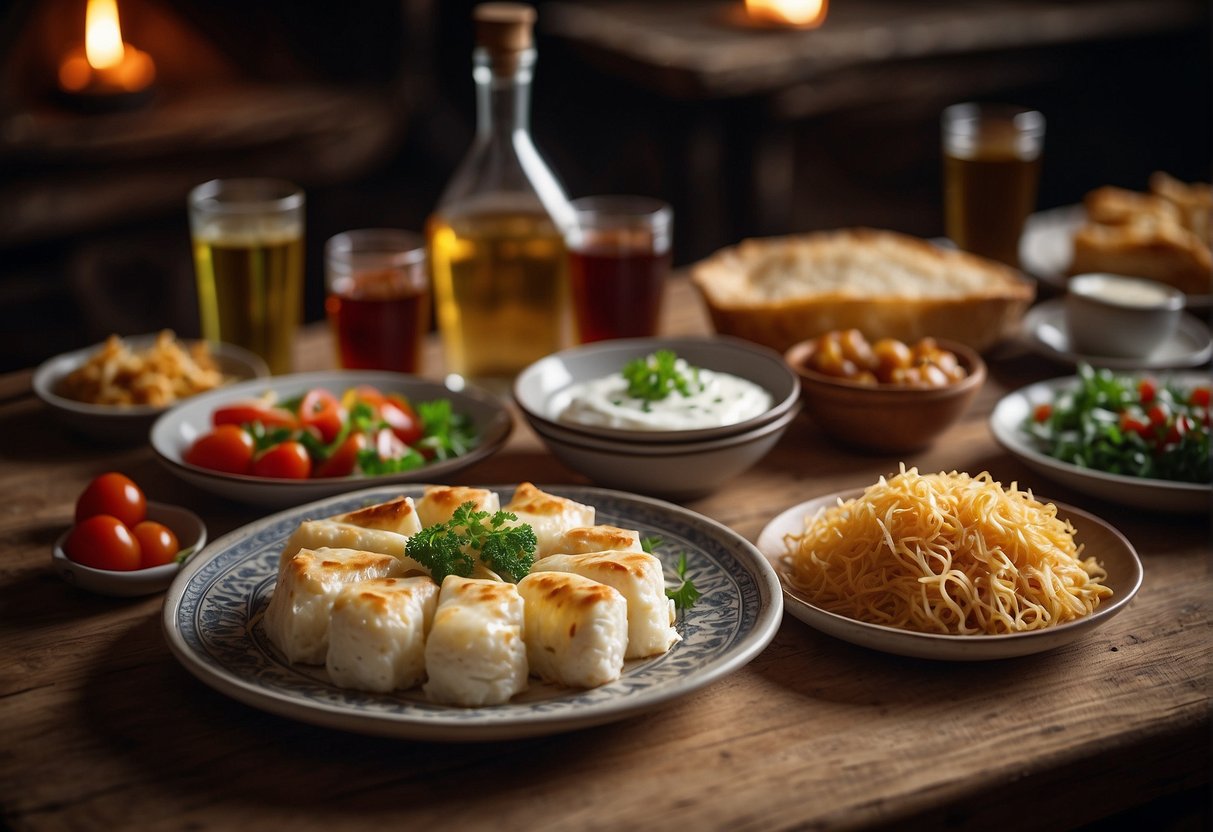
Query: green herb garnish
451, 548
657, 375
447, 434
686, 594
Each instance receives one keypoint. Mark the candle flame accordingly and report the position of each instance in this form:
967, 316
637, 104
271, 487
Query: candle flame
808, 14
102, 34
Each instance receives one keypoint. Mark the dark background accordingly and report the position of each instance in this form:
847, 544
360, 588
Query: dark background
369, 106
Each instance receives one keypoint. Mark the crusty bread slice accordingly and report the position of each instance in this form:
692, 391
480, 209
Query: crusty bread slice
1163, 235
781, 290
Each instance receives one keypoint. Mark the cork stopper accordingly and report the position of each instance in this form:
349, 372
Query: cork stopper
504, 27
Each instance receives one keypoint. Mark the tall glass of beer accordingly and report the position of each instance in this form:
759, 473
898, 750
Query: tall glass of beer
248, 255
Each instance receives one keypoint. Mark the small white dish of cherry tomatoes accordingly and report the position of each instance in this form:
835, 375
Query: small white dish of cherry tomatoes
123, 544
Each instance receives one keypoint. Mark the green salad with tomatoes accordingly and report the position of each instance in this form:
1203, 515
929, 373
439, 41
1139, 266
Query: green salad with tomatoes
1130, 425
364, 432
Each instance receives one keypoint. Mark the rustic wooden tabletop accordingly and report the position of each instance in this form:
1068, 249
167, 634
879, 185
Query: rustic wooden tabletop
103, 729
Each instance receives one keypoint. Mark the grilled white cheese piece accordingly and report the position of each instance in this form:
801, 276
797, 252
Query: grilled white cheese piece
585, 539
550, 516
638, 577
330, 534
398, 516
576, 629
439, 502
475, 653
377, 633
297, 619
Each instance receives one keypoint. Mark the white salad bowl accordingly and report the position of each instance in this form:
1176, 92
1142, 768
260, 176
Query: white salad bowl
544, 389
175, 431
191, 537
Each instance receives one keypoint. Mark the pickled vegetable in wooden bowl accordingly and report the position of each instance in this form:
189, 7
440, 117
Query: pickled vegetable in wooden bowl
888, 396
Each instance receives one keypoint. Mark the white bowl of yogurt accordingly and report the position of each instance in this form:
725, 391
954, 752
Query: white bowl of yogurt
724, 387
1121, 317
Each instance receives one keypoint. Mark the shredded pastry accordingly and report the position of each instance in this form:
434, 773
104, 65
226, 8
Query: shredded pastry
945, 553
159, 375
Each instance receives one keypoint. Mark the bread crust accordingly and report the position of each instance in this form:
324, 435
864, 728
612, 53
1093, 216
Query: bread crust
883, 283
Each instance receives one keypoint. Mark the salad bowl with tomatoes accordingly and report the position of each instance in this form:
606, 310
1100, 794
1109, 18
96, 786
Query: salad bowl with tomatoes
289, 439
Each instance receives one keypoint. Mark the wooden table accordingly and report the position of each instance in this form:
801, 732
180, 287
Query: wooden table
102, 729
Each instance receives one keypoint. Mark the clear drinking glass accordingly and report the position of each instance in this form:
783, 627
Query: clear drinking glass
619, 257
991, 170
248, 257
377, 299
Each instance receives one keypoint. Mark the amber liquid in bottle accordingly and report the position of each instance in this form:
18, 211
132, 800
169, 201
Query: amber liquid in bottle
499, 287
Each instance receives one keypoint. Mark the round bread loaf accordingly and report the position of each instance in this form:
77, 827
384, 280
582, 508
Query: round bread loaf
778, 291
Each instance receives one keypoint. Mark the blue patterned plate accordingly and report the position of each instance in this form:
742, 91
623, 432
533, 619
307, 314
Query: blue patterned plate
213, 610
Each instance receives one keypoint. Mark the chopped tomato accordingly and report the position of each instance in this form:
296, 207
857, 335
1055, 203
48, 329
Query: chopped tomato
1199, 397
1147, 390
401, 418
1158, 415
255, 410
287, 460
1042, 412
227, 448
344, 460
1182, 425
1131, 424
321, 410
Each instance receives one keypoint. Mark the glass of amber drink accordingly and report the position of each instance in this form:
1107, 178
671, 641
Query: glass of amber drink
619, 256
248, 258
991, 157
378, 300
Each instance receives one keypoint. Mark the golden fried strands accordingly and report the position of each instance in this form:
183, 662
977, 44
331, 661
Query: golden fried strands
945, 553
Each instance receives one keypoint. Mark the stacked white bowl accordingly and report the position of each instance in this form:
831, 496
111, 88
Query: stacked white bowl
678, 464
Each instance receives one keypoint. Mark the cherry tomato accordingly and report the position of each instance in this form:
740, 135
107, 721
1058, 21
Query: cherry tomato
1182, 425
113, 494
1199, 397
247, 412
344, 460
1042, 412
103, 542
1147, 390
401, 418
157, 543
370, 395
285, 461
321, 410
227, 448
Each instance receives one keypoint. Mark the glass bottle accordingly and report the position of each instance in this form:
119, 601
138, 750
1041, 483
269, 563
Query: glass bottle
496, 238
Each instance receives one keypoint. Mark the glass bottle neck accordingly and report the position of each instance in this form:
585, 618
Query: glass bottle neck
503, 93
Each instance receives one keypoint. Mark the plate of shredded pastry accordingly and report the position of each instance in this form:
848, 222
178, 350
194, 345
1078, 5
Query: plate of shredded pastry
949, 567
242, 615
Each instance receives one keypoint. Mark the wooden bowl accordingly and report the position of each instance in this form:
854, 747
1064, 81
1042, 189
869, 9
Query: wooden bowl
886, 418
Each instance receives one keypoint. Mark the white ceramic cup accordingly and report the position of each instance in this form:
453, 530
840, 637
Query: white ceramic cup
1120, 317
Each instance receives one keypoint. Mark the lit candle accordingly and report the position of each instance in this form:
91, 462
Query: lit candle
106, 65
803, 14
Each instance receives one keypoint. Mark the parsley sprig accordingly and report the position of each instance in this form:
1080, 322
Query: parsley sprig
657, 375
451, 548
685, 594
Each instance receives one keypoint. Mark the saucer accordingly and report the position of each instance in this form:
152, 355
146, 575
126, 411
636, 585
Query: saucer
1045, 331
